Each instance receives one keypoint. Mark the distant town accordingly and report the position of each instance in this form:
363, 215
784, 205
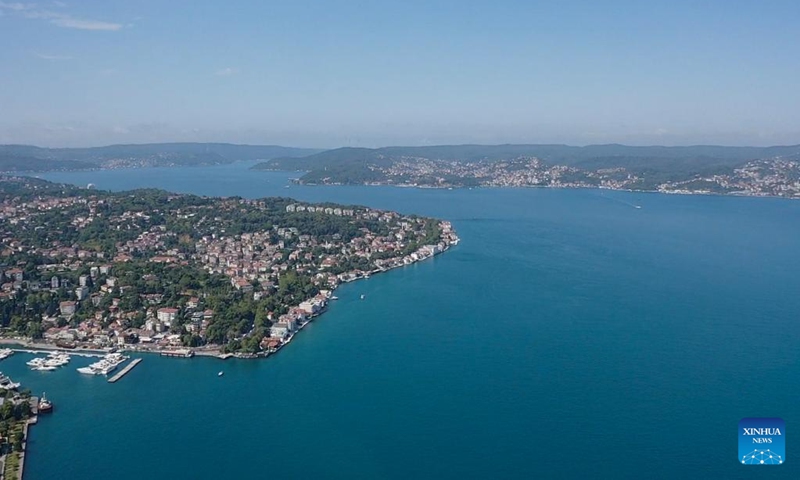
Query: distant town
768, 177
181, 274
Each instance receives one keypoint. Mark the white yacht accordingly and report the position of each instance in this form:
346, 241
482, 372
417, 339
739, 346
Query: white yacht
87, 370
52, 361
35, 362
57, 359
98, 368
44, 368
5, 353
104, 366
7, 384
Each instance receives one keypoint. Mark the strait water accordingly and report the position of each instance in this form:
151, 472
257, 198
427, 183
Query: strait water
570, 335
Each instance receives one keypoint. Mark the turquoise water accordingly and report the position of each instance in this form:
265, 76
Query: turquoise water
570, 335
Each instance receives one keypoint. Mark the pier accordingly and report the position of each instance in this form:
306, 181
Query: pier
125, 370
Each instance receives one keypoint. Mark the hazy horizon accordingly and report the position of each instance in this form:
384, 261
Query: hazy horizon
337, 73
393, 145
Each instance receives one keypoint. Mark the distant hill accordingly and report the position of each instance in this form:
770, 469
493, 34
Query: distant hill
592, 156
18, 158
20, 163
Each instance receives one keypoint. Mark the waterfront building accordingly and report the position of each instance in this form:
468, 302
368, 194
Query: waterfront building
310, 307
279, 330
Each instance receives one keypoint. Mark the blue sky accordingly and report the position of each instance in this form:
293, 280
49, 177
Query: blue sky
373, 73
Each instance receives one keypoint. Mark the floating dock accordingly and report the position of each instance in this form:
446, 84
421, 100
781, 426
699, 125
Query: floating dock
125, 370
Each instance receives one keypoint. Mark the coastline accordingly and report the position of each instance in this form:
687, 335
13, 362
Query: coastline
214, 351
563, 187
297, 182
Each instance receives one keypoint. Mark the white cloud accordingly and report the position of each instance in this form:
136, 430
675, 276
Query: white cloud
30, 10
226, 72
68, 22
45, 56
16, 6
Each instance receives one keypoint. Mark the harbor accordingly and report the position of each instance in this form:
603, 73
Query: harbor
125, 370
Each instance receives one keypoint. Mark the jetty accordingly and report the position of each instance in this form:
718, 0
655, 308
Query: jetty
125, 370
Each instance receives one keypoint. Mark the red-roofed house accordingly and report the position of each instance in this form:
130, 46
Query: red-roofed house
67, 308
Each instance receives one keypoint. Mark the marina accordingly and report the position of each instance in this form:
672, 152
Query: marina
125, 370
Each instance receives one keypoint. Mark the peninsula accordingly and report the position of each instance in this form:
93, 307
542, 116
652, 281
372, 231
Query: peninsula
156, 271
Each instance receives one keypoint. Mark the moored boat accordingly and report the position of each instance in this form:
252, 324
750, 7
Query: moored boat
35, 362
45, 368
104, 366
7, 384
45, 405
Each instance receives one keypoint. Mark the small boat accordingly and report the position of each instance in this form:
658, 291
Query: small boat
45, 368
221, 373
45, 405
334, 297
362, 296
